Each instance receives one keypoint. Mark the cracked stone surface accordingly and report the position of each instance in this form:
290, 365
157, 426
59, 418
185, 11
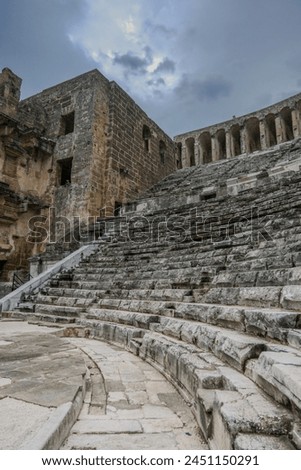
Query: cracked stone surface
141, 409
38, 373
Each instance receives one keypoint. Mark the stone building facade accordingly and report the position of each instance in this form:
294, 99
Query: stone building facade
242, 135
77, 150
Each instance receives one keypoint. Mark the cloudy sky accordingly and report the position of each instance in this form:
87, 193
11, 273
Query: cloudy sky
187, 63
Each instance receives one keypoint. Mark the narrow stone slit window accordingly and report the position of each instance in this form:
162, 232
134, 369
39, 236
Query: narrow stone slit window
117, 208
64, 171
146, 135
67, 124
10, 166
2, 264
162, 151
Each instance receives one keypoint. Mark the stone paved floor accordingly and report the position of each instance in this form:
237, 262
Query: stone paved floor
39, 372
135, 407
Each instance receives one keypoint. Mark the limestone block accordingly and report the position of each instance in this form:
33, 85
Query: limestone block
270, 323
235, 381
174, 363
235, 414
262, 442
171, 327
189, 332
206, 337
294, 338
224, 279
236, 349
229, 317
276, 277
259, 296
227, 296
291, 297
247, 278
220, 436
189, 365
204, 407
279, 373
209, 378
296, 435
155, 348
191, 311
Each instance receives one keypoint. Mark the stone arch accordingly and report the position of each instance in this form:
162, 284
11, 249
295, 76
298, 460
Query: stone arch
206, 147
235, 140
190, 151
253, 142
287, 124
271, 134
221, 144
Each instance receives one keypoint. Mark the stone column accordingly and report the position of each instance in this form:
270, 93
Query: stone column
244, 140
263, 135
279, 130
296, 122
201, 155
196, 152
214, 149
184, 155
228, 145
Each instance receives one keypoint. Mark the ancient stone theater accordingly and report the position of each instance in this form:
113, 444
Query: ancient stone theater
172, 319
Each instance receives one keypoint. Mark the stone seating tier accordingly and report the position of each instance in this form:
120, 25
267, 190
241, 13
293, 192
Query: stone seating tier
218, 314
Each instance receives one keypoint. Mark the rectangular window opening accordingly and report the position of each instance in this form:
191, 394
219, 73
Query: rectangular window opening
67, 124
65, 170
2, 264
10, 166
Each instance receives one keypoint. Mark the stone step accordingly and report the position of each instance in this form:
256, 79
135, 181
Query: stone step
268, 323
134, 294
258, 278
135, 319
171, 276
248, 410
57, 292
36, 317
58, 310
235, 348
248, 296
287, 297
64, 301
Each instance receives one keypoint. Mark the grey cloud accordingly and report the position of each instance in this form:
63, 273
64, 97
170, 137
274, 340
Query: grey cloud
159, 29
157, 82
130, 61
167, 65
35, 45
133, 63
209, 89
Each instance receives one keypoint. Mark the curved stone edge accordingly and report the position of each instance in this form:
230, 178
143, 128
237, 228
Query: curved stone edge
54, 432
225, 403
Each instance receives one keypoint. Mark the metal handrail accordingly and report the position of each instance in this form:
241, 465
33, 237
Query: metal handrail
19, 280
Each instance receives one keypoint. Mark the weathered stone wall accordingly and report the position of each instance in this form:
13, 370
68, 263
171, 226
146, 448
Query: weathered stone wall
25, 162
78, 149
10, 87
140, 153
75, 100
247, 134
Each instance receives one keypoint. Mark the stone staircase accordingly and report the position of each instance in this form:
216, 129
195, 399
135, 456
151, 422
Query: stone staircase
208, 291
